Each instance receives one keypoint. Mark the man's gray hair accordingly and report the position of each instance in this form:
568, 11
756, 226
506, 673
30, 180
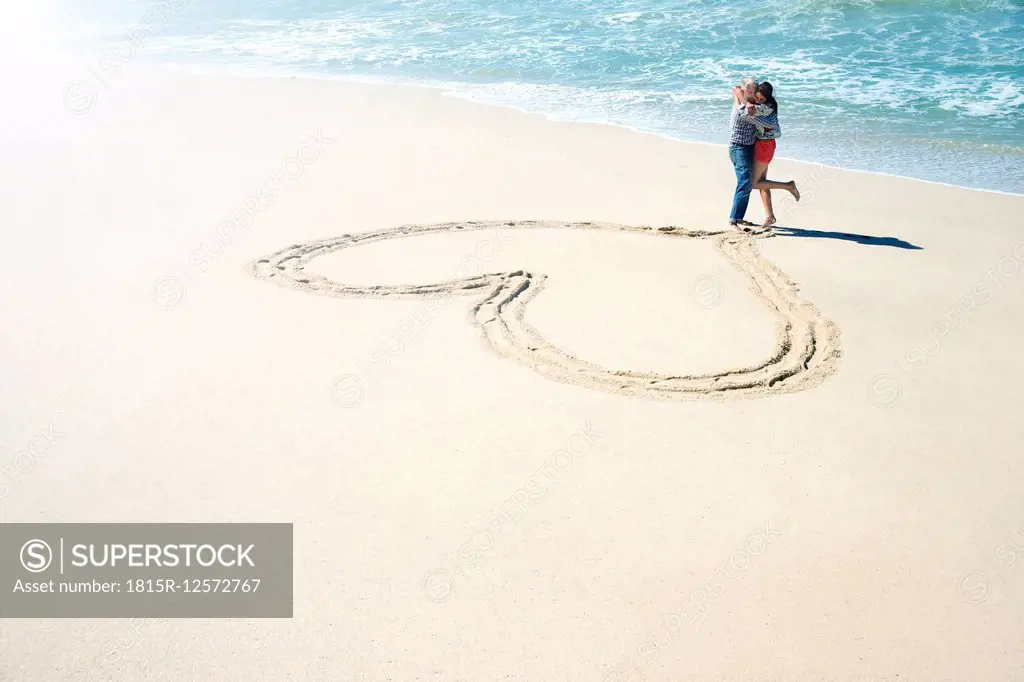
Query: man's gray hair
749, 80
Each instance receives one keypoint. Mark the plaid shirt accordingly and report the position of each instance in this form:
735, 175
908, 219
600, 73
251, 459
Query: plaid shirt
743, 130
763, 125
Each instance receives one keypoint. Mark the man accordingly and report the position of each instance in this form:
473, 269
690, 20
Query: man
741, 150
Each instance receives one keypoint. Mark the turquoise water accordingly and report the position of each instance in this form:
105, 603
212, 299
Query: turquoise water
926, 89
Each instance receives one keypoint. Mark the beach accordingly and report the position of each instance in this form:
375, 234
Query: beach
476, 494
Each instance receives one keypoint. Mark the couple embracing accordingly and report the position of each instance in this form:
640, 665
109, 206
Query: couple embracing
755, 127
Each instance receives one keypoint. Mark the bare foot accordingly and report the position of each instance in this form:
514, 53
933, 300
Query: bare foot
768, 222
793, 190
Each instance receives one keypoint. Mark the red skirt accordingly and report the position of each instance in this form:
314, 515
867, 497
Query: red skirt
764, 151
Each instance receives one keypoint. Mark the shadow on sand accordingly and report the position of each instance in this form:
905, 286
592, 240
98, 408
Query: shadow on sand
895, 242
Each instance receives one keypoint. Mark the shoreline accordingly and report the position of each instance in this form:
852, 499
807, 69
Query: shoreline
451, 91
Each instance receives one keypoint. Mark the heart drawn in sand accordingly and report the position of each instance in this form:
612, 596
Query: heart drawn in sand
806, 351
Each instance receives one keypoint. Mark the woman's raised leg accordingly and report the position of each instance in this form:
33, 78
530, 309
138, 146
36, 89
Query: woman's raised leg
762, 183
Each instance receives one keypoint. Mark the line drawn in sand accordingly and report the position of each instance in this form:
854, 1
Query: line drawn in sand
807, 344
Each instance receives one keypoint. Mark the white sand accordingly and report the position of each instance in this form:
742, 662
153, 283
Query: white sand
890, 493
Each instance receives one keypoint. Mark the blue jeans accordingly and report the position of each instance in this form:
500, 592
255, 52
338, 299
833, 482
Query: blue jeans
743, 161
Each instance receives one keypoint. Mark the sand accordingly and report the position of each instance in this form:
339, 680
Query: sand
535, 413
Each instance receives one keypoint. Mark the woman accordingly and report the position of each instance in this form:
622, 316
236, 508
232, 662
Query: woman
764, 114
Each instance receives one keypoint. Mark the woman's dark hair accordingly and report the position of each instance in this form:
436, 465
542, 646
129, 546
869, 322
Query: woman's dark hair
766, 90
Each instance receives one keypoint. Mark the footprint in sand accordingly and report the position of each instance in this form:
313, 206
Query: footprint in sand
806, 343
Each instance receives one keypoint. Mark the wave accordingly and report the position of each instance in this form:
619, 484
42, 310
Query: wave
884, 71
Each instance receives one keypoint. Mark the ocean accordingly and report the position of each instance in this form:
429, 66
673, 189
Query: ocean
929, 89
